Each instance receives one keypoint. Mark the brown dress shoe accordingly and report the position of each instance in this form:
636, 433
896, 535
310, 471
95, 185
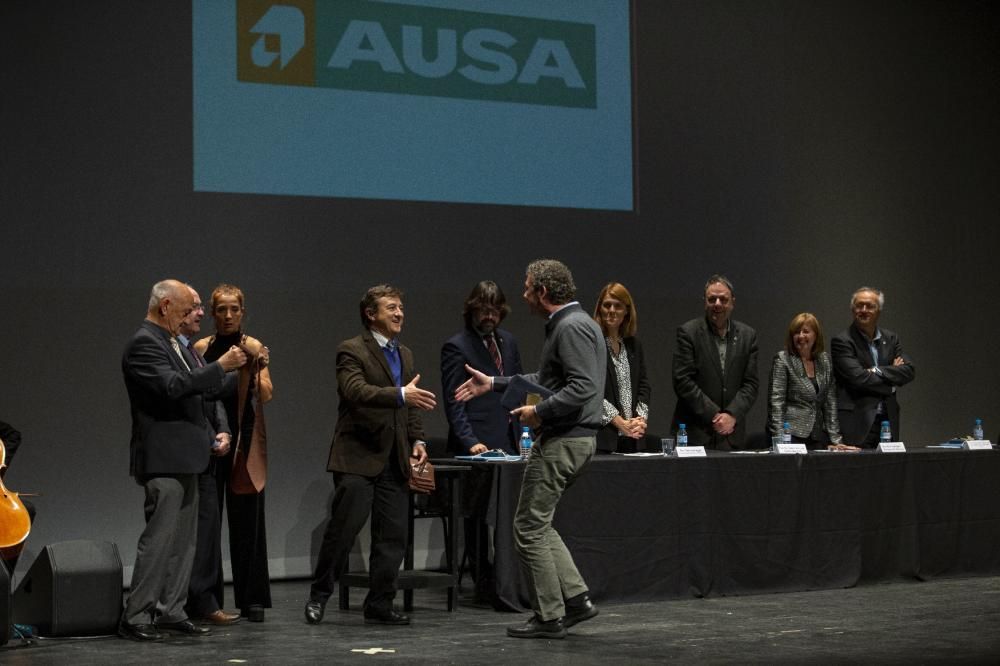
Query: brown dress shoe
220, 618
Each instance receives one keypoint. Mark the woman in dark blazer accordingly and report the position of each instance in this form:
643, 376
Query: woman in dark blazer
626, 390
802, 389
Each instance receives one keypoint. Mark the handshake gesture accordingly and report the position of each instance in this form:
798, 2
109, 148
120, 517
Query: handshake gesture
415, 396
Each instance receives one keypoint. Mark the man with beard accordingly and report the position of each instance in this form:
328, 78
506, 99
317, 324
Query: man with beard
572, 368
482, 423
715, 372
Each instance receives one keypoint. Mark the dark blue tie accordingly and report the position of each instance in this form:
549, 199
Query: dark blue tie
391, 351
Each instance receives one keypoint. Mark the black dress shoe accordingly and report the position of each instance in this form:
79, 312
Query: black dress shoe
186, 627
537, 628
253, 613
139, 632
388, 616
579, 609
314, 612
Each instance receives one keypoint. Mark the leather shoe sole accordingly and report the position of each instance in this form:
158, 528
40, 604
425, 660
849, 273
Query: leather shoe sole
581, 615
314, 612
391, 618
534, 628
139, 632
186, 627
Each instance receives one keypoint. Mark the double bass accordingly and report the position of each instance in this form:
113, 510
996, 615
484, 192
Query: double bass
15, 523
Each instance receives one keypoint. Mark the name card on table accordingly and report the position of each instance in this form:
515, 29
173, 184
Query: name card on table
690, 452
797, 448
891, 447
977, 445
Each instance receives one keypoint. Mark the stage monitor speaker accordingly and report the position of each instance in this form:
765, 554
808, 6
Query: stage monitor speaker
74, 588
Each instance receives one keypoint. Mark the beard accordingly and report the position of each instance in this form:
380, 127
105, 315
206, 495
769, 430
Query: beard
485, 327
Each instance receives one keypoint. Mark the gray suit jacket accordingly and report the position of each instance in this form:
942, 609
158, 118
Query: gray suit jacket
794, 399
174, 418
703, 390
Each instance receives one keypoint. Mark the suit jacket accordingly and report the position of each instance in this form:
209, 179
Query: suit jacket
482, 419
373, 429
859, 391
607, 436
794, 399
703, 390
173, 421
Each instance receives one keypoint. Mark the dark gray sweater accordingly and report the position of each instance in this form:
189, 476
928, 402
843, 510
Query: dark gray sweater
573, 366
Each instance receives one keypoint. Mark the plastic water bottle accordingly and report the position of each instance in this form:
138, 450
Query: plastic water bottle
786, 433
885, 434
525, 444
977, 430
682, 435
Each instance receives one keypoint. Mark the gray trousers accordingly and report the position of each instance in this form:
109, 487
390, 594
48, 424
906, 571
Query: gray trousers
552, 575
166, 551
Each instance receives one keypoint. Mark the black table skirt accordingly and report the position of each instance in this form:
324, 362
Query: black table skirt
644, 529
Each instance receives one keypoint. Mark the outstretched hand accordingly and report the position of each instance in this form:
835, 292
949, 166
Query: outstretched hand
415, 396
477, 385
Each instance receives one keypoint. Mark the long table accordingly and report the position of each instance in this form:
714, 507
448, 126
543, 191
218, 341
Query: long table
643, 529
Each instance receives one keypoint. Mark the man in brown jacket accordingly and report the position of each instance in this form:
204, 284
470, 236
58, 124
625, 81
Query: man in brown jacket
378, 436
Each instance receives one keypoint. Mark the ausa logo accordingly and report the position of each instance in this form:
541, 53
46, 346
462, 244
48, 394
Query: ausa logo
397, 48
273, 42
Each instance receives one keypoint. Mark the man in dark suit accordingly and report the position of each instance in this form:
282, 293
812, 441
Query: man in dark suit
870, 365
204, 597
173, 431
482, 423
715, 372
379, 434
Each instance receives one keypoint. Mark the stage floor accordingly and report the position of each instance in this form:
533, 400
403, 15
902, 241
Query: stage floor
945, 620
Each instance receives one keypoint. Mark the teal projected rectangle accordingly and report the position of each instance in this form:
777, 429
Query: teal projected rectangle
473, 101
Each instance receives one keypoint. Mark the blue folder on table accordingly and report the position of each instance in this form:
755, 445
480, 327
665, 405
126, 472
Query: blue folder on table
490, 456
517, 392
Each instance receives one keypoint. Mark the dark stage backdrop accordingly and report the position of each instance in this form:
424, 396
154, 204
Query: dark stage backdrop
803, 149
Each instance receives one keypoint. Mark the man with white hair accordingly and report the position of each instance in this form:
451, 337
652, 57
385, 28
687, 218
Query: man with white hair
173, 432
870, 365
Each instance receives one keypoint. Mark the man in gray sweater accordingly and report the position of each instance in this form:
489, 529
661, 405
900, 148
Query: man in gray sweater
565, 424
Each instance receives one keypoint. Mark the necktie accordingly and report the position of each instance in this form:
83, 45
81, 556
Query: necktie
491, 345
195, 356
177, 348
391, 352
